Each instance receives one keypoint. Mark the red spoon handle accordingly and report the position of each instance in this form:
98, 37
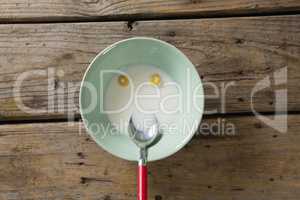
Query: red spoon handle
142, 182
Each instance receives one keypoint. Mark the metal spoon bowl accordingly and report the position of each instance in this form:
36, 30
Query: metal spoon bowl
142, 139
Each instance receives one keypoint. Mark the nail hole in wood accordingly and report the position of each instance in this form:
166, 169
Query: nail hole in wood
80, 155
257, 125
239, 41
107, 197
240, 99
171, 33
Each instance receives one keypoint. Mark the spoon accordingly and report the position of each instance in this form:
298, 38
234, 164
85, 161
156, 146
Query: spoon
144, 138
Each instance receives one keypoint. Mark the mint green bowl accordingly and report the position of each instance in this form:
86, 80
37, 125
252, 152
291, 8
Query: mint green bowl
148, 51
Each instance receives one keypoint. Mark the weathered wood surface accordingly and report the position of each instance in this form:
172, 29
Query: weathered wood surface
225, 51
66, 10
59, 161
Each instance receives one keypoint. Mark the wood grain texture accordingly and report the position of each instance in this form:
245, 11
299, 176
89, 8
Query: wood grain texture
68, 10
59, 161
235, 51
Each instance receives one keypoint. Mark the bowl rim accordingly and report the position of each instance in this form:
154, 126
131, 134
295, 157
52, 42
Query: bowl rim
103, 52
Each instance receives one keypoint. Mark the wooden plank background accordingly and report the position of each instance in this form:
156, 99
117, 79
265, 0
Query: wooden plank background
59, 161
239, 51
44, 157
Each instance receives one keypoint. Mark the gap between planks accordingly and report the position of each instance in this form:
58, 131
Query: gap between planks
78, 118
148, 17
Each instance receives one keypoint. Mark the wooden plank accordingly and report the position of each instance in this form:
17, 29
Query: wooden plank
69, 10
59, 161
233, 52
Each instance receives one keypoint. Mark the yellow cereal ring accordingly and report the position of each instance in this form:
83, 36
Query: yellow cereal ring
155, 79
123, 80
